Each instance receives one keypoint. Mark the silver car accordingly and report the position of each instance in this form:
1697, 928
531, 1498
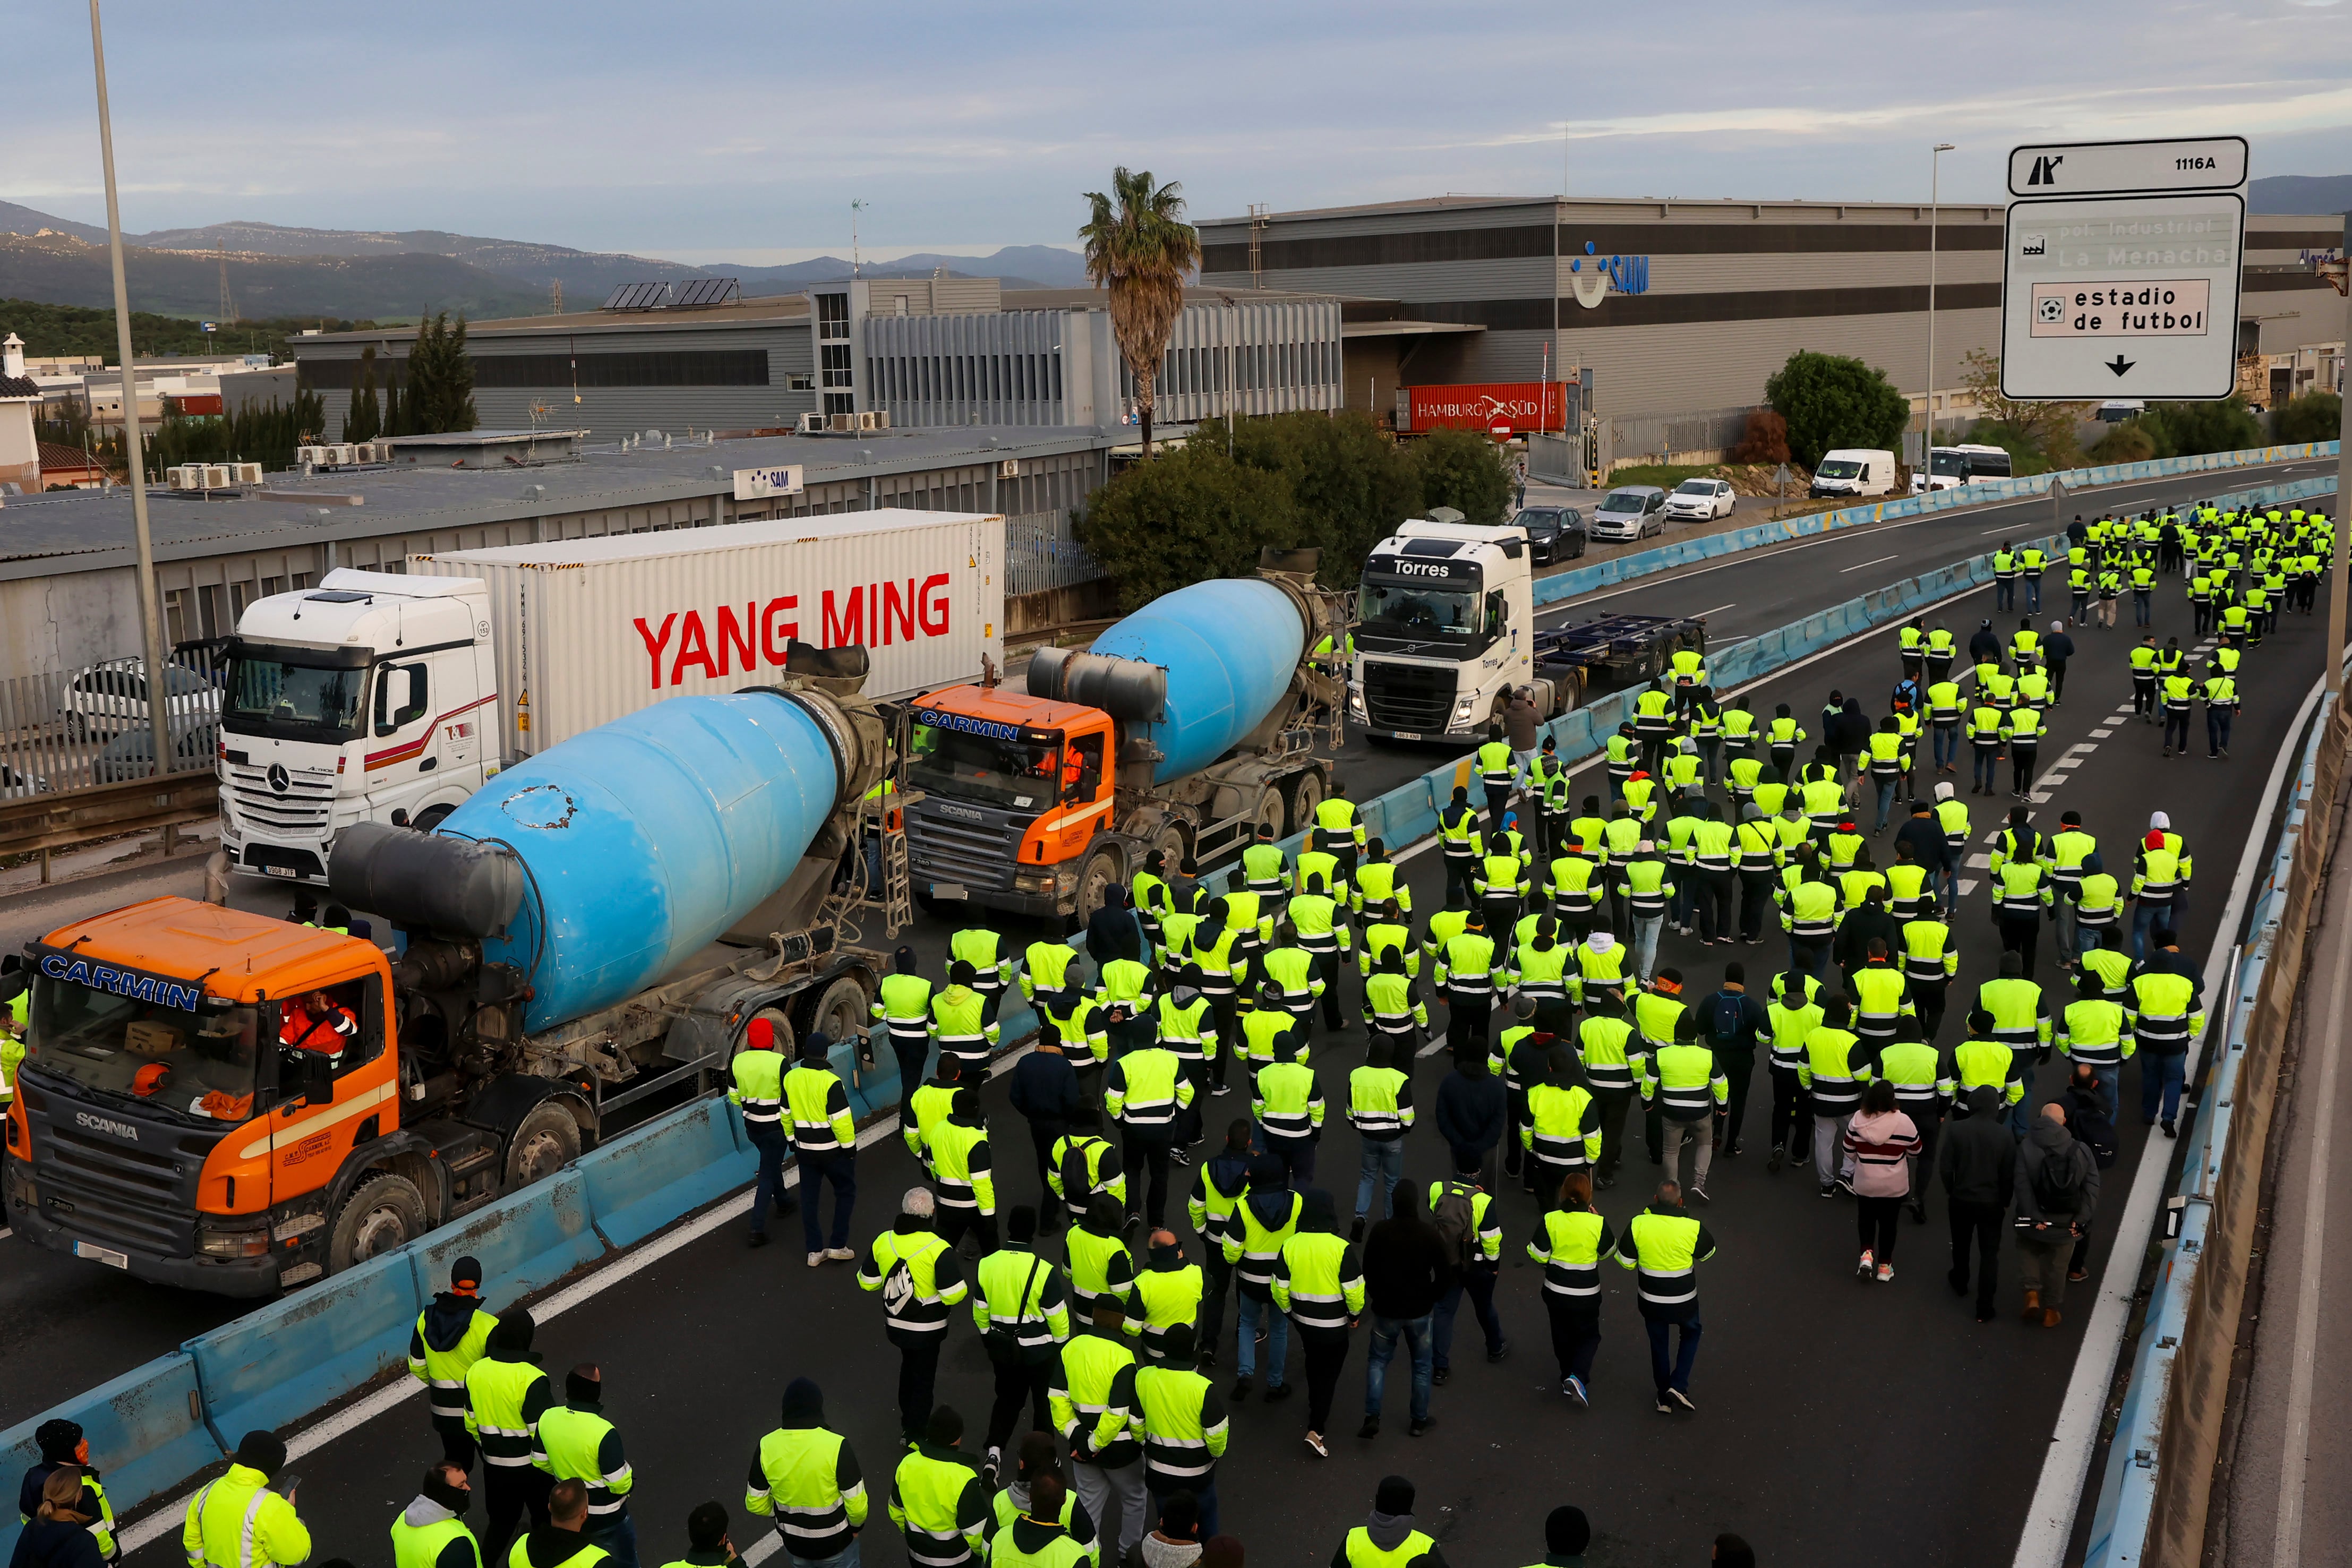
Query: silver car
1632, 512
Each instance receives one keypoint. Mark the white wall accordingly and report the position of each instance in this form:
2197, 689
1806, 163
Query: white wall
50, 624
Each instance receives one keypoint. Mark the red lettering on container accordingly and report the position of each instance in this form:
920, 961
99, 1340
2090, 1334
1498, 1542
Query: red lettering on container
654, 645
897, 612
847, 628
933, 611
693, 648
770, 645
738, 639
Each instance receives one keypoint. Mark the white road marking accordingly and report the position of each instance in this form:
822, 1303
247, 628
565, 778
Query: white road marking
1967, 885
1979, 862
1882, 561
1704, 613
2102, 733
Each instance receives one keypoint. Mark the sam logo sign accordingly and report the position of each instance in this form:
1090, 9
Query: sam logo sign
1596, 277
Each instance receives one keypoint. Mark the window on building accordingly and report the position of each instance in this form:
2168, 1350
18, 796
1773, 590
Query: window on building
800, 382
832, 316
836, 367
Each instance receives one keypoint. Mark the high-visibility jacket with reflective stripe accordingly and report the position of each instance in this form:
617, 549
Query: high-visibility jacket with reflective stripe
1251, 1245
1563, 1125
820, 1108
1611, 1053
2093, 1031
1184, 1423
1144, 1087
1834, 1068
962, 1166
933, 1271
1571, 1244
442, 1372
1988, 1064
1319, 1280
1379, 1102
2018, 1015
1664, 1250
759, 1086
577, 1444
1922, 1080
796, 1475
1684, 1082
2163, 1011
903, 1003
238, 1521
1023, 1293
503, 1402
941, 1505
1092, 1399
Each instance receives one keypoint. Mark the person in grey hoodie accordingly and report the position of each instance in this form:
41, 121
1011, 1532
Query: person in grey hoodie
444, 1498
1388, 1531
2057, 1194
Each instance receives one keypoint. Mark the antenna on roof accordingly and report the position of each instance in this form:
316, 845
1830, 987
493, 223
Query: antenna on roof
855, 208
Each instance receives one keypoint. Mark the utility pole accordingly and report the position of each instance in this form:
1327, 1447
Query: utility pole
2343, 489
1928, 413
151, 616
855, 208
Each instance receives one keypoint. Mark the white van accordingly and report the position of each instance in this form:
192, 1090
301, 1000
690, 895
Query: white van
1852, 471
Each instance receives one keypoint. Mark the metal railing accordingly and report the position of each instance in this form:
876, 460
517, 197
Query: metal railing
89, 728
1041, 551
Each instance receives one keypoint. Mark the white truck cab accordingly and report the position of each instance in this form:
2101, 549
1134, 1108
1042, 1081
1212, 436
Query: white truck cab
1444, 631
370, 698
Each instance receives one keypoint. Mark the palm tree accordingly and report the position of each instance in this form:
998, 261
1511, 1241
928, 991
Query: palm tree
1140, 247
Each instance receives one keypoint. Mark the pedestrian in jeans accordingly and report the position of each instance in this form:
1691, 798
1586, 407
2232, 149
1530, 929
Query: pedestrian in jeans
1881, 1141
1379, 1104
2057, 1194
1470, 1223
1406, 1272
1571, 1241
1977, 1157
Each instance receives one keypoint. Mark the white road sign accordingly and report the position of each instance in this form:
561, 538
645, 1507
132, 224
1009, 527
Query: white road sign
2122, 270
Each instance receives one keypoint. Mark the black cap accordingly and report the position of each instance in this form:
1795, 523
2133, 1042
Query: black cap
261, 1451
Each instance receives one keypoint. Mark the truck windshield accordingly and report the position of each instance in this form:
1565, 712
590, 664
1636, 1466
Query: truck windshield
1016, 773
199, 1065
1415, 609
294, 702
1842, 469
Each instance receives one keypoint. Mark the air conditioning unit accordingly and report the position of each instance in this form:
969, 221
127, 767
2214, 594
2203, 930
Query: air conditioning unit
340, 454
1009, 469
844, 423
185, 479
811, 423
215, 475
881, 419
246, 473
870, 419
314, 455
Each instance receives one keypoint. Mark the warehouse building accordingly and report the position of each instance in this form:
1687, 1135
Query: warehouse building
69, 578
922, 351
1670, 306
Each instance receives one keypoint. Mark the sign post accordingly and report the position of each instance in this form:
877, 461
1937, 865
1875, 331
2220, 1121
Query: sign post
2120, 275
2335, 508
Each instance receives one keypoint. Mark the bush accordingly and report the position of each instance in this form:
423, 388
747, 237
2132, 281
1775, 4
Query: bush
2126, 443
1349, 484
1184, 516
2191, 429
2314, 416
1765, 440
1463, 469
1830, 401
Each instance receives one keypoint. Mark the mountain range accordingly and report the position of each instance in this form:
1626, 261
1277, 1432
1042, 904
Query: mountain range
277, 272
2300, 194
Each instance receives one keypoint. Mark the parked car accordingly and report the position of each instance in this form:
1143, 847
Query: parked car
16, 786
1701, 500
111, 697
1554, 533
132, 753
1633, 512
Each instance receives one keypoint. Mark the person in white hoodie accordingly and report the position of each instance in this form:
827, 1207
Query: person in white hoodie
430, 1531
1177, 1542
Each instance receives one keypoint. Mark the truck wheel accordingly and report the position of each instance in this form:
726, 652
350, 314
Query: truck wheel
1269, 812
383, 1211
548, 1140
1169, 843
843, 1012
431, 818
1104, 868
1305, 793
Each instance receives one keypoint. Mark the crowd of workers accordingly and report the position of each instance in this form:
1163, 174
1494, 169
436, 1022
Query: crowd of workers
1558, 1019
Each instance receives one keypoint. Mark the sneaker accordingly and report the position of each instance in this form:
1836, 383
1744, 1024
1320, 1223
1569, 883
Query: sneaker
1573, 1386
1603, 1183
1371, 1428
995, 1458
1315, 1446
757, 1238
1219, 1091
1829, 1189
1886, 1273
1205, 1356
1500, 1353
1738, 1147
1665, 1408
1424, 1424
1845, 1185
815, 1259
1277, 1392
1440, 1373
840, 1255
1697, 1195
1779, 1157
1179, 1156
1681, 1399
1862, 1270
1240, 1391
2169, 1130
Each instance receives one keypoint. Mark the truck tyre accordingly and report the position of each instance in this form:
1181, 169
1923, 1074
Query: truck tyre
1269, 812
1301, 795
1169, 844
843, 1012
432, 817
1104, 868
383, 1211
544, 1143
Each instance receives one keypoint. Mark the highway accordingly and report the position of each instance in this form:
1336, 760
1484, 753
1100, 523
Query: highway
1829, 1410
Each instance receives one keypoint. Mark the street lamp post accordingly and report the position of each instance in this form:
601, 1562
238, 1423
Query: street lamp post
2343, 523
151, 618
1928, 410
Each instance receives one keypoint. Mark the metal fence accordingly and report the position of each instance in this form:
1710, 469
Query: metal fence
1041, 551
1701, 437
79, 729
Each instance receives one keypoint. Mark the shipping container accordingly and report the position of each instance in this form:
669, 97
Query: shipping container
589, 629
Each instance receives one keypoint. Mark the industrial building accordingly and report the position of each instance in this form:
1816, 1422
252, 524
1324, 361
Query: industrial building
924, 351
1672, 307
69, 579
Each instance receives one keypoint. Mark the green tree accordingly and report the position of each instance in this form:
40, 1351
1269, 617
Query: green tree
1349, 484
2191, 429
1140, 250
362, 422
1463, 469
440, 378
2129, 442
1194, 513
395, 417
1830, 401
2314, 416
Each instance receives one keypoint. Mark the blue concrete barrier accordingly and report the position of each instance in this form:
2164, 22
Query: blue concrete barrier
146, 1431
642, 1181
525, 1242
270, 1368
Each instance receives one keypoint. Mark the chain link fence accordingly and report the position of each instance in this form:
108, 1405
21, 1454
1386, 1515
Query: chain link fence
1041, 551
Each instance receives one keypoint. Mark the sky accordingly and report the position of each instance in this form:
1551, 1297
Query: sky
722, 130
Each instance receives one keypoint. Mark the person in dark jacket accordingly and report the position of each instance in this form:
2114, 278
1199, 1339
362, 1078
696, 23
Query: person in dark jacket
1929, 849
1985, 645
1976, 1158
1859, 927
1472, 1108
1733, 1010
63, 1446
58, 1535
1113, 931
1850, 737
1406, 1272
2057, 1196
2056, 649
436, 1353
1045, 1092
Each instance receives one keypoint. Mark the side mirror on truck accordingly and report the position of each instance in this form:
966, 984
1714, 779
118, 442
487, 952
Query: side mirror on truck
306, 1077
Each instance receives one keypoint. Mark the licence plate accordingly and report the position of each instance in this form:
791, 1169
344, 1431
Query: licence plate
1407, 735
284, 870
950, 890
102, 1254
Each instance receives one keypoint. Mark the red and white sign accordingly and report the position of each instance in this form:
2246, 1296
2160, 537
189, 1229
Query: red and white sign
590, 630
1522, 406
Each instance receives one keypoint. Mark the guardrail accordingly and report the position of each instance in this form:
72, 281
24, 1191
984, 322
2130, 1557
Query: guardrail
2155, 1493
41, 823
156, 1426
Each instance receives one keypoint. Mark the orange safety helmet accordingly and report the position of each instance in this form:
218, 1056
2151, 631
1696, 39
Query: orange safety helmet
150, 1079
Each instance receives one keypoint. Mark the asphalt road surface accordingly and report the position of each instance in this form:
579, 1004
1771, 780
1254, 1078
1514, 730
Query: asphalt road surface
1837, 1422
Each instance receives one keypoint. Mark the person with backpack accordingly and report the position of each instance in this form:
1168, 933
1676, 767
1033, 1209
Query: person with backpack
1735, 1021
2057, 1196
2089, 1091
1470, 1229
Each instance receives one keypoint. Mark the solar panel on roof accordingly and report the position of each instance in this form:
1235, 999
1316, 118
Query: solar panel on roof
637, 296
707, 291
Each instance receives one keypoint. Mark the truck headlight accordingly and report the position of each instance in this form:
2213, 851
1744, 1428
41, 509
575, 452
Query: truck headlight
1462, 711
233, 1238
1356, 702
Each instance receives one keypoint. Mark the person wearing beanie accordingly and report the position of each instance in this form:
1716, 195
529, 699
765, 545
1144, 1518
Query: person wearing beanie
431, 1533
1976, 1158
824, 1146
937, 1499
575, 1442
1565, 1535
758, 1089
1261, 1223
238, 1520
1184, 1431
506, 1393
1020, 1303
62, 1447
1387, 1535
449, 1337
963, 1020
812, 1471
902, 1005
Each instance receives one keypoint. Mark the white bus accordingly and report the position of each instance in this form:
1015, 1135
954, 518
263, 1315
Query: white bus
1951, 465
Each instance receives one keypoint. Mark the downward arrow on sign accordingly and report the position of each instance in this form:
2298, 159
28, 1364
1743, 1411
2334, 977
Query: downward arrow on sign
2119, 364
